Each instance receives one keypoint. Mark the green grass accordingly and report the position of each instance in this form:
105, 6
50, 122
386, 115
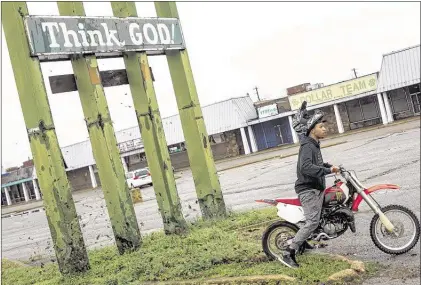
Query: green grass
225, 248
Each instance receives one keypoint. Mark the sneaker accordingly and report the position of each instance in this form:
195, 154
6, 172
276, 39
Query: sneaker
305, 246
288, 259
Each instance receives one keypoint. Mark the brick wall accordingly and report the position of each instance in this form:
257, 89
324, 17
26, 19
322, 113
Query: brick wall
80, 179
232, 148
331, 125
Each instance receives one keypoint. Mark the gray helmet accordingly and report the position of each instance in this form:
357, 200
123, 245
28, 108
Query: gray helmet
303, 122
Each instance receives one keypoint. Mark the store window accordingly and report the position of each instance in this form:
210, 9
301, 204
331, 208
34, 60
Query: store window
414, 92
398, 101
363, 112
369, 108
3, 197
354, 111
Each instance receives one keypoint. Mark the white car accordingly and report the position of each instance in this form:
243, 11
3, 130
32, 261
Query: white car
139, 177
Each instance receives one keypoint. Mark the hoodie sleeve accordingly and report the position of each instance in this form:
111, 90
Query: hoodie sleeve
307, 166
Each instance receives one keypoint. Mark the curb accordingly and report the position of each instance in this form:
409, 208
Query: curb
258, 279
357, 267
20, 213
336, 136
376, 127
275, 156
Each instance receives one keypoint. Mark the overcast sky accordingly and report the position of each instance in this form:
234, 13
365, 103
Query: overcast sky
233, 47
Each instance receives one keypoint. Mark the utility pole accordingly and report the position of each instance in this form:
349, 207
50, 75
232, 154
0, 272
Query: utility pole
355, 72
257, 93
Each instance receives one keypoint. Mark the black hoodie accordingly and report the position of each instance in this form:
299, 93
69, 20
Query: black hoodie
311, 169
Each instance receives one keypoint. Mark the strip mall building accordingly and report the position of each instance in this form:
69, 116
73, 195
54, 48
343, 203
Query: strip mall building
238, 126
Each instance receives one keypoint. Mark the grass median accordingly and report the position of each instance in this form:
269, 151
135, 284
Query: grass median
226, 248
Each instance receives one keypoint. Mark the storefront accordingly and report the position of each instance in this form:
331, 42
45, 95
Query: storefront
19, 186
348, 105
399, 83
272, 133
360, 113
271, 128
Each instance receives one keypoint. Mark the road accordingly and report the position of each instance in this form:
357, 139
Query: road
378, 156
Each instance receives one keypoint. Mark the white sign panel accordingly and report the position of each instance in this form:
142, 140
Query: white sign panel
268, 111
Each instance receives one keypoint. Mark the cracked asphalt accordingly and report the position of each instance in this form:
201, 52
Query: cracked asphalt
378, 156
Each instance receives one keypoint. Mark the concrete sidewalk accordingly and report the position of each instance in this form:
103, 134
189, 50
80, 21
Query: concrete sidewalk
280, 152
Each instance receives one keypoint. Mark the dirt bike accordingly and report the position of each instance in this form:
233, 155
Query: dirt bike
340, 202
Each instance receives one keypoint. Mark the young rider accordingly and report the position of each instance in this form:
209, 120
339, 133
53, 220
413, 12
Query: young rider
310, 184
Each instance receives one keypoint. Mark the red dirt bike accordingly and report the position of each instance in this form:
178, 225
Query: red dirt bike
394, 229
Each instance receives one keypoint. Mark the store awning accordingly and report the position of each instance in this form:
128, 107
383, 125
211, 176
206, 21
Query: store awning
16, 182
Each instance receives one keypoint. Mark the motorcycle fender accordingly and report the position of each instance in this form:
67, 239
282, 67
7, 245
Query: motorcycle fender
372, 189
290, 213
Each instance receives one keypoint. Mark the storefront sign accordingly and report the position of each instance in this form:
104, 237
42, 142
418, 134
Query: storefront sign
64, 35
130, 145
333, 92
268, 111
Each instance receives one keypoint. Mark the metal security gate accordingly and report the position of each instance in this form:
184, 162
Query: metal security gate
272, 133
363, 112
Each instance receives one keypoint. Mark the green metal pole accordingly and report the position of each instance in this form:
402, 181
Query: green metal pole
152, 131
104, 144
58, 202
205, 176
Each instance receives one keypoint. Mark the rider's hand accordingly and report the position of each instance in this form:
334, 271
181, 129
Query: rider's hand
334, 169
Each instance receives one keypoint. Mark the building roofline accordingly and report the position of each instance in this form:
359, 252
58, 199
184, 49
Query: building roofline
226, 100
401, 50
125, 129
75, 143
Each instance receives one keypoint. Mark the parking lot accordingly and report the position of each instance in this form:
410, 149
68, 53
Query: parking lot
379, 156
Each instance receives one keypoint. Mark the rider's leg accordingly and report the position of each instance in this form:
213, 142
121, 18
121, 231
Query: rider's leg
312, 203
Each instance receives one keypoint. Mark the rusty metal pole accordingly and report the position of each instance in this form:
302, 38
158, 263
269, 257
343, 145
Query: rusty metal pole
57, 197
104, 144
152, 131
199, 151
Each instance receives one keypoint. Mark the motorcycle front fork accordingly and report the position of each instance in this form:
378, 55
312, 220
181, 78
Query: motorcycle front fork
376, 209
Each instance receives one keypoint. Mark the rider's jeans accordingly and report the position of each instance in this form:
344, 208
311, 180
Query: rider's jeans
312, 203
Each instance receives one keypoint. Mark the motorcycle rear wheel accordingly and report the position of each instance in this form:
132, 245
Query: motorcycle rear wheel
279, 225
377, 230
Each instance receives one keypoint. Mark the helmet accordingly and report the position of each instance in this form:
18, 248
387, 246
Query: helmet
303, 122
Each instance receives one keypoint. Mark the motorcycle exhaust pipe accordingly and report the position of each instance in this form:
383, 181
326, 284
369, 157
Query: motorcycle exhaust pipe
319, 236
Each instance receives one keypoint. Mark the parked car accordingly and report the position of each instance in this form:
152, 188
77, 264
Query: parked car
139, 177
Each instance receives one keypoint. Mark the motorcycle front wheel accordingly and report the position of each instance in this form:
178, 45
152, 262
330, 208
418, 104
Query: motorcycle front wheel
406, 233
275, 238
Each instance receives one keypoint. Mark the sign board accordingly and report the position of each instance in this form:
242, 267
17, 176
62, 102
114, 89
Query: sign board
267, 111
130, 145
336, 91
65, 35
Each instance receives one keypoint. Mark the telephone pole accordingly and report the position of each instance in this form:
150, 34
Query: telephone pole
257, 93
355, 72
